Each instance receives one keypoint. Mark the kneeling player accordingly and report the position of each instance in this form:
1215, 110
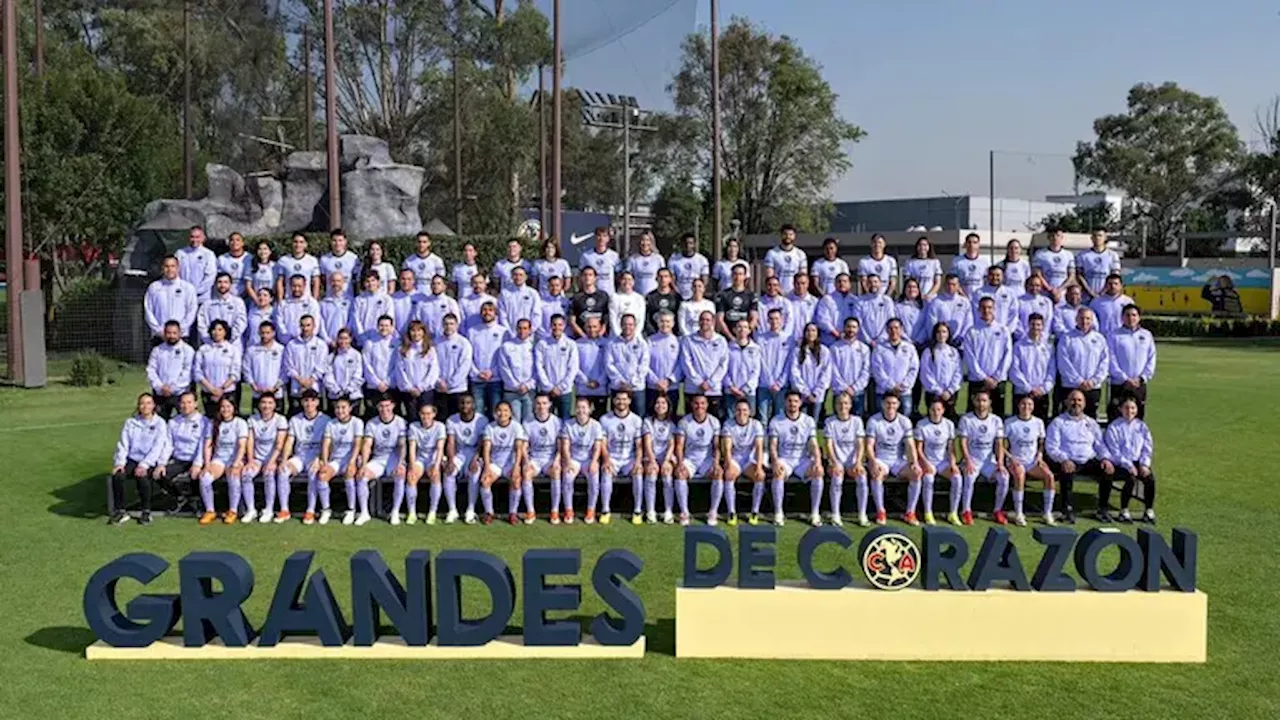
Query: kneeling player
1024, 433
982, 455
382, 457
698, 450
659, 459
846, 451
425, 450
224, 455
623, 448
890, 453
1128, 447
793, 447
582, 444
743, 453
339, 453
936, 452
502, 456
542, 458
463, 432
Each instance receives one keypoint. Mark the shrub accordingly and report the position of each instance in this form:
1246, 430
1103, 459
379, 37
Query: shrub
1211, 327
88, 369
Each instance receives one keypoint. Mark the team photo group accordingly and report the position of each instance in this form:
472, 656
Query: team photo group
653, 371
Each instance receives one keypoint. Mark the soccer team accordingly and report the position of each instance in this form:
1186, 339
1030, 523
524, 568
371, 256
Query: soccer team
564, 375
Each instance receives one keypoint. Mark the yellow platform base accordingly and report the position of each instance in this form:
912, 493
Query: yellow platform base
391, 648
794, 621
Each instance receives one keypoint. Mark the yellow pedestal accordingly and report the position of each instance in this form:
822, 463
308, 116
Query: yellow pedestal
390, 648
794, 621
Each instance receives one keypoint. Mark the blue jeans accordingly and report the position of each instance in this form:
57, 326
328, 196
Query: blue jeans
770, 403
521, 404
638, 402
487, 396
562, 406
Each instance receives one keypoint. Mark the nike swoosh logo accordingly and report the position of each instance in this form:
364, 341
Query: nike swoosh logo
576, 240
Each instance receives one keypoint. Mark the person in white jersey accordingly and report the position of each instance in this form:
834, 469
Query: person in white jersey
542, 456
267, 431
382, 457
501, 457
846, 452
794, 452
424, 447
301, 452
339, 456
582, 449
827, 268
1024, 434
785, 260
659, 458
880, 265
890, 452
981, 456
224, 455
623, 450
935, 437
1056, 263
463, 432
742, 439
1095, 264
698, 452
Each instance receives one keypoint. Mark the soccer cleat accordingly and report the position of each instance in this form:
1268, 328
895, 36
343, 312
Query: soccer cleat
910, 519
530, 518
145, 518
953, 518
863, 521
1048, 518
713, 519
486, 519
249, 516
651, 517
753, 519
966, 517
266, 517
733, 520
1069, 515
412, 519
555, 517
881, 517
512, 519
684, 519
283, 516
815, 520
779, 519
309, 518
1124, 517
395, 518
325, 515
362, 518
998, 517
1020, 520
637, 519
590, 519
836, 520
208, 517
119, 517
230, 517
431, 518
451, 517
606, 518
1104, 517
469, 517
668, 517
929, 519
349, 517
1149, 516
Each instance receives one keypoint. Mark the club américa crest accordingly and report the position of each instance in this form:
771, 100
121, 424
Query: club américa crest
891, 561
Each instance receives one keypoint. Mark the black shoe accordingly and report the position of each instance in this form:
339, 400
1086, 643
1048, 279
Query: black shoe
145, 518
1069, 516
1104, 517
119, 517
1124, 519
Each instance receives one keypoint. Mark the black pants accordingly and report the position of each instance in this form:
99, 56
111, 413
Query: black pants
949, 406
167, 405
996, 393
143, 484
211, 404
1129, 482
412, 405
599, 405
1041, 408
1120, 393
1065, 481
1091, 400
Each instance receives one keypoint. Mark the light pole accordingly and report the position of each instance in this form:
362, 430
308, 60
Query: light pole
618, 112
331, 119
13, 193
557, 122
715, 126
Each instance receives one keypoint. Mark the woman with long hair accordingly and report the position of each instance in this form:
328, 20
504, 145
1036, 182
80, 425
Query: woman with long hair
375, 261
224, 454
909, 308
216, 369
659, 459
940, 371
811, 370
1015, 265
925, 268
501, 454
417, 368
267, 430
722, 271
550, 265
262, 271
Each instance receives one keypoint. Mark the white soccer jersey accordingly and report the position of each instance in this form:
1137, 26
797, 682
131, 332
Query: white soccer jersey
827, 271
644, 270
425, 440
1024, 437
1096, 266
621, 433
686, 270
660, 432
229, 433
982, 434
307, 266
936, 439
785, 264
699, 438
886, 268
793, 436
466, 435
544, 437
502, 442
1056, 266
846, 436
343, 438
742, 439
890, 437
582, 438
307, 434
265, 433
385, 436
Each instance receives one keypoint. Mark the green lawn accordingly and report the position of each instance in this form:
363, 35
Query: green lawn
1211, 412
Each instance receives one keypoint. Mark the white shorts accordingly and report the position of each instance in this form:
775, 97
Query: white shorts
989, 469
698, 471
339, 466
743, 460
222, 459
628, 469
799, 471
574, 469
460, 462
503, 471
379, 469
539, 465
299, 463
898, 465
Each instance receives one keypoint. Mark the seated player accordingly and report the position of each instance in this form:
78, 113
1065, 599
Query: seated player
184, 451
142, 444
224, 452
982, 456
301, 449
743, 455
339, 455
935, 437
890, 453
793, 448
1127, 454
267, 430
463, 432
425, 450
659, 459
698, 453
1073, 443
542, 458
623, 449
501, 456
382, 457
1024, 433
581, 448
846, 451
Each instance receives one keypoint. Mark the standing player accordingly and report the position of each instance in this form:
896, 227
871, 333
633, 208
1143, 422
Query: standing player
1025, 434
424, 263
339, 259
625, 302
462, 273
298, 263
623, 451
305, 361
170, 299
663, 299
504, 269
515, 367
197, 263
688, 266
262, 310
743, 453
140, 449
602, 259
291, 310
692, 308
267, 432
895, 365
431, 309
551, 265
890, 452
370, 305
704, 358
982, 455
950, 306
344, 375
542, 458
793, 449
1034, 369
555, 365
590, 302
581, 448
846, 453
463, 432
925, 269
486, 338
645, 265
722, 271
851, 368
169, 369
592, 380
971, 265
811, 370
260, 273
235, 263
502, 450
742, 380
1073, 443
736, 302
828, 267
664, 375
222, 304
877, 264
518, 301
1132, 363
941, 371
425, 450
301, 450
474, 301
381, 457
935, 437
1034, 302
785, 260
1094, 265
216, 369
660, 459
375, 259
339, 452
1015, 267
775, 367
698, 452
1056, 263
1127, 453
224, 455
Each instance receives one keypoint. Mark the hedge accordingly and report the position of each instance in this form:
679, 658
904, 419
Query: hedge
1211, 327
489, 248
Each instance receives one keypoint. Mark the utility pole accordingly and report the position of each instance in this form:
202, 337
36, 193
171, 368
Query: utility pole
331, 119
13, 193
188, 151
557, 123
457, 121
542, 154
991, 202
308, 89
626, 181
38, 13
716, 229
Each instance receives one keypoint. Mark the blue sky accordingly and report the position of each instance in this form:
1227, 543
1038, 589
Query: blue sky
937, 85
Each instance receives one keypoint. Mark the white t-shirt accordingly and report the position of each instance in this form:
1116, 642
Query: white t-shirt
742, 438
307, 266
503, 441
827, 271
793, 436
1056, 266
846, 436
785, 264
886, 268
1024, 437
699, 437
644, 270
981, 434
229, 434
971, 271
582, 438
265, 433
890, 437
660, 432
386, 437
622, 433
343, 438
466, 435
425, 440
936, 439
686, 270
307, 434
925, 271
544, 437
1096, 266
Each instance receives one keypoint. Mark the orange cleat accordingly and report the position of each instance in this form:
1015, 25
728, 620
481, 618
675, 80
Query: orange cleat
487, 518
966, 518
284, 516
230, 518
591, 517
568, 517
999, 518
530, 518
208, 517
308, 518
910, 519
555, 517
881, 517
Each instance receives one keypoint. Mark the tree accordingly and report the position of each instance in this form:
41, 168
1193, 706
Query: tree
783, 141
1170, 151
677, 209
1085, 219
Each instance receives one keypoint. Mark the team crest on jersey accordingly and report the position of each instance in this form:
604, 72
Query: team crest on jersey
891, 561
878, 268
297, 267
982, 429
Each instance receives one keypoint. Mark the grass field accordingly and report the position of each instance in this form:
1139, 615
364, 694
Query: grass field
1212, 413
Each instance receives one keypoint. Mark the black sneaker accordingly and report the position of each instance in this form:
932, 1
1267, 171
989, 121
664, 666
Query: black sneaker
1104, 517
119, 517
145, 518
1069, 516
1124, 518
